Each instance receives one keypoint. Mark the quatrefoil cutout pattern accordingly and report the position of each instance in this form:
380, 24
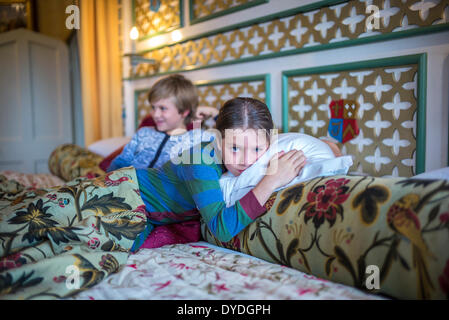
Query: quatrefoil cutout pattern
386, 114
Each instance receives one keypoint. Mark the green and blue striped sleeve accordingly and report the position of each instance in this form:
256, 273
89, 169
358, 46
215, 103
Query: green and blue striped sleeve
202, 182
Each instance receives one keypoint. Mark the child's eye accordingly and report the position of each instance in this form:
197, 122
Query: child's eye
234, 149
257, 150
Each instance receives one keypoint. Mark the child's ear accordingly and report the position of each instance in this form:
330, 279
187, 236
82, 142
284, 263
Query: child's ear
185, 113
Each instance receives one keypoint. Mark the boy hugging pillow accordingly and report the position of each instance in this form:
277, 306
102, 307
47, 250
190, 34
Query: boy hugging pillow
320, 162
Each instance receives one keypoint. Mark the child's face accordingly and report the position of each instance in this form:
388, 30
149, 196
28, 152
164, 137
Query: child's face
241, 148
166, 116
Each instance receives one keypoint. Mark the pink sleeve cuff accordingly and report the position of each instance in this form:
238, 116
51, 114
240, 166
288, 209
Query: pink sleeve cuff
252, 206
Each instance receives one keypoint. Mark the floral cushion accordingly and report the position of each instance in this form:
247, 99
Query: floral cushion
69, 161
59, 241
383, 235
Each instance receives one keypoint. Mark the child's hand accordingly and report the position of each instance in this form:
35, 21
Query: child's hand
284, 167
204, 112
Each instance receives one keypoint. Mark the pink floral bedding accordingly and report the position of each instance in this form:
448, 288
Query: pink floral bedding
200, 271
41, 180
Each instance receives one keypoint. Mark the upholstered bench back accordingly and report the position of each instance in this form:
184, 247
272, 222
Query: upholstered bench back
383, 235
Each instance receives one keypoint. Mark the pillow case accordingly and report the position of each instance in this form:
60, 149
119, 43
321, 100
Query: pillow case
33, 180
105, 147
320, 162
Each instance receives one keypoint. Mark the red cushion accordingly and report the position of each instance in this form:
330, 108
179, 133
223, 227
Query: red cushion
146, 122
106, 162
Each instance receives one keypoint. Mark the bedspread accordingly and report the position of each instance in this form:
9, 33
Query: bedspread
31, 180
200, 271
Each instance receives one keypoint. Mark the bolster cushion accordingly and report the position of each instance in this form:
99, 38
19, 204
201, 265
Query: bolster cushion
382, 235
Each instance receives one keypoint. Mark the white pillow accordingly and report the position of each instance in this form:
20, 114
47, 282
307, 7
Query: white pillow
105, 147
320, 162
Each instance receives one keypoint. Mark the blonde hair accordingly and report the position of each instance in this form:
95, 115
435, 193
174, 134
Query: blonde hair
180, 89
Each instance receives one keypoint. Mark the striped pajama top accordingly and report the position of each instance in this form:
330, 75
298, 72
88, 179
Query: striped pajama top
189, 186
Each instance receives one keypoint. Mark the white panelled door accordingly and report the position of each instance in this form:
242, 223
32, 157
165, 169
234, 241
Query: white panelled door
35, 103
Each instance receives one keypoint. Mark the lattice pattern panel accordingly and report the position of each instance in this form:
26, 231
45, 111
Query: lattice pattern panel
387, 98
206, 8
345, 21
150, 21
143, 107
212, 94
215, 95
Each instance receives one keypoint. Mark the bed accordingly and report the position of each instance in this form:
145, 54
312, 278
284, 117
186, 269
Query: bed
202, 271
357, 236
291, 252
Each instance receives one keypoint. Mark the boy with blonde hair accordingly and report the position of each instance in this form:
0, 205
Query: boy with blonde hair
174, 102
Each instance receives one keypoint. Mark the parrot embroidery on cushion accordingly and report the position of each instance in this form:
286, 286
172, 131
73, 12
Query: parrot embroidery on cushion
343, 123
403, 219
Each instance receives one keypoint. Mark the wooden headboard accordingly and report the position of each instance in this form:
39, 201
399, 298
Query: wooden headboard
389, 95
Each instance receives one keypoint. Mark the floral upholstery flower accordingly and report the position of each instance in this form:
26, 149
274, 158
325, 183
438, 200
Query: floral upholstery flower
12, 261
93, 243
324, 202
444, 280
37, 219
40, 225
444, 217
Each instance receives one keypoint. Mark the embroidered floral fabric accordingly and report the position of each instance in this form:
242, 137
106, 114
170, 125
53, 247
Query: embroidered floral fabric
69, 161
41, 180
200, 271
58, 241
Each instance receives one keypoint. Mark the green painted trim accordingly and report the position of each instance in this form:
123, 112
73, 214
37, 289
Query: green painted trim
136, 106
190, 12
284, 102
201, 83
247, 5
420, 59
268, 90
133, 12
168, 30
260, 77
181, 14
421, 115
376, 63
